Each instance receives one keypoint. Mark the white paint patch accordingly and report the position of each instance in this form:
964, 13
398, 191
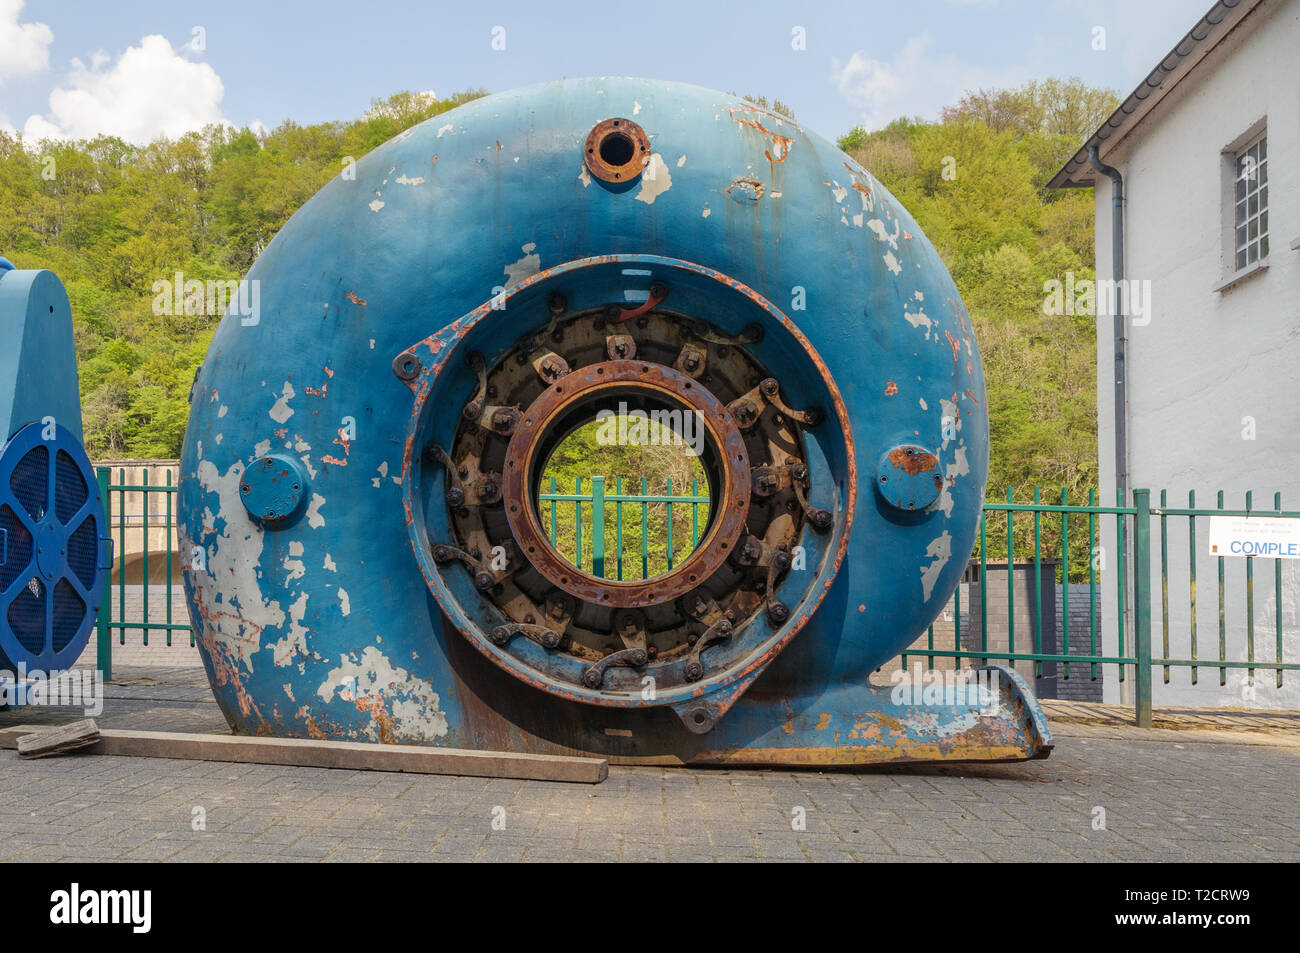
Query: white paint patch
877, 226
529, 264
231, 589
442, 129
294, 644
407, 180
918, 320
222, 411
584, 176
706, 213
345, 604
892, 263
314, 519
218, 438
376, 205
838, 192
281, 411
293, 562
924, 405
411, 702
261, 448
636, 107
940, 550
300, 445
681, 161
329, 563
655, 180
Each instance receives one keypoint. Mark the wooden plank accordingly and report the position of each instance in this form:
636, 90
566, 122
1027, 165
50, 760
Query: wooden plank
47, 741
354, 755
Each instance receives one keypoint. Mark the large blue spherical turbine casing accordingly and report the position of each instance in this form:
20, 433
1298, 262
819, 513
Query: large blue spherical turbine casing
322, 603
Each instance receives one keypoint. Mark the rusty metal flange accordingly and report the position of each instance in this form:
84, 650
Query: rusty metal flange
610, 380
616, 150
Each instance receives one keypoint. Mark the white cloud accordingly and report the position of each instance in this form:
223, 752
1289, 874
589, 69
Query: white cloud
916, 82
24, 47
151, 90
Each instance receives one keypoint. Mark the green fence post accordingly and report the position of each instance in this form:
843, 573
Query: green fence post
598, 527
103, 638
1142, 605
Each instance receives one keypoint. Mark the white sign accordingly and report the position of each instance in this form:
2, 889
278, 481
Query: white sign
1271, 537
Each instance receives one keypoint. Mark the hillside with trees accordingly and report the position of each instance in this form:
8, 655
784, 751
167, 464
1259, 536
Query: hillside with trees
111, 219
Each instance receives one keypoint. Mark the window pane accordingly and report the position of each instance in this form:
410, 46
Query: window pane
1240, 188
1252, 205
1241, 235
1263, 173
1252, 229
1263, 247
1263, 198
1241, 212
1252, 253
1263, 223
1241, 259
1263, 148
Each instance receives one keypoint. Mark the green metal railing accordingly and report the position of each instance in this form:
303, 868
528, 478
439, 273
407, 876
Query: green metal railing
1133, 648
598, 501
1052, 539
120, 523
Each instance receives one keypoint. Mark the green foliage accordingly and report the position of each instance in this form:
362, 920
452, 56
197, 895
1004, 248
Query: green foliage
110, 219
975, 181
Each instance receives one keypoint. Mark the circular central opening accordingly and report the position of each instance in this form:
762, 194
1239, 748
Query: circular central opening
617, 149
626, 493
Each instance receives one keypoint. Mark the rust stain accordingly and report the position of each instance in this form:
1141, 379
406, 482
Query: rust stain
352, 296
956, 348
891, 389
823, 722
913, 463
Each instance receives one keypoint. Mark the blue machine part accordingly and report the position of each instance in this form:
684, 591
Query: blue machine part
433, 321
54, 545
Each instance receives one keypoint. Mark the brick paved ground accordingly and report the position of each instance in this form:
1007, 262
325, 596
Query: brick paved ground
1167, 795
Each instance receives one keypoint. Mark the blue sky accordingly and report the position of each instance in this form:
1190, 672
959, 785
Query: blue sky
77, 67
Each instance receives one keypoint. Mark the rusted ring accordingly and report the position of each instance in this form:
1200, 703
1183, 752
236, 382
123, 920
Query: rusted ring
611, 378
616, 150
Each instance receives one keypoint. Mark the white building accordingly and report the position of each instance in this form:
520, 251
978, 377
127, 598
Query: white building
1207, 149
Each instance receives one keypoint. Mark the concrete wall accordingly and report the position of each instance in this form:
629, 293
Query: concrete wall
1209, 358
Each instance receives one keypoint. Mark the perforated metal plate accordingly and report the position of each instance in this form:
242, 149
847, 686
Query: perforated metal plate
52, 537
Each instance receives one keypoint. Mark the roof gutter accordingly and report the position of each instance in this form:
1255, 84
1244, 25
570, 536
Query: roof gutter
1209, 31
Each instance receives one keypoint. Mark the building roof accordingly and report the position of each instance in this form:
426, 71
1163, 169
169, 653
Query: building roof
1221, 19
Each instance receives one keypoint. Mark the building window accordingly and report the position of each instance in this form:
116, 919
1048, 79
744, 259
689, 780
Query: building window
1250, 204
